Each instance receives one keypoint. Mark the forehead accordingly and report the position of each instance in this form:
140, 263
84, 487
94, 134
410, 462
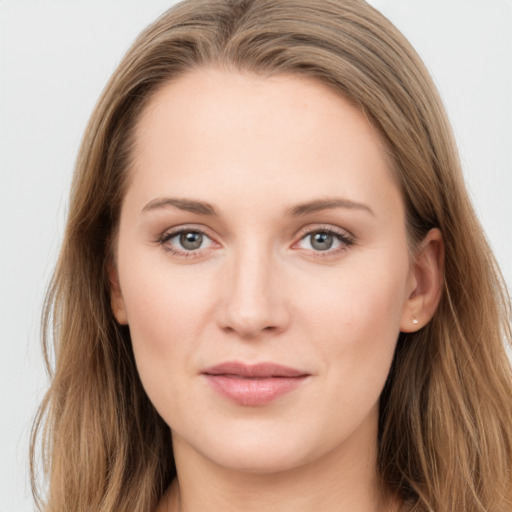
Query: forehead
209, 98
230, 132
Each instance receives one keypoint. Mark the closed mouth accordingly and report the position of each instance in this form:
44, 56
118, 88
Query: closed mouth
255, 384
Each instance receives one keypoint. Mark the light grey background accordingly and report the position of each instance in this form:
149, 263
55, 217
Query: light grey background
55, 57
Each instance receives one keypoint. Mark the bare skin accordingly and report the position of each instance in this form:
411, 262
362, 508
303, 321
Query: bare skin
263, 224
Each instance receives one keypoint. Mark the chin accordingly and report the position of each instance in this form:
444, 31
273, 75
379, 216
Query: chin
259, 447
258, 459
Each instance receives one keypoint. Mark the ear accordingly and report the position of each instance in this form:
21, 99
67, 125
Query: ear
116, 297
426, 283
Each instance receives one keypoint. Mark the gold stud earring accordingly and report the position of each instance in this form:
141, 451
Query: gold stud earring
414, 320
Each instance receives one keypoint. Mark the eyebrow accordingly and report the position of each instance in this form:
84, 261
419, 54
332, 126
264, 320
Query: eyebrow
327, 204
204, 208
188, 205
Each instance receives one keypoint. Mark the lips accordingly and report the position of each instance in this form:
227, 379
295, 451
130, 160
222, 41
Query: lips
253, 385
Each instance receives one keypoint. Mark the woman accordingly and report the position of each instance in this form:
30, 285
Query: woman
273, 292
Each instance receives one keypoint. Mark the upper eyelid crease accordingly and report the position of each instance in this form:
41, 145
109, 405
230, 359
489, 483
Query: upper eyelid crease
334, 230
341, 235
170, 233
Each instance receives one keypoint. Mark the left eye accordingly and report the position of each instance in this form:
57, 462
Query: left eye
323, 240
187, 240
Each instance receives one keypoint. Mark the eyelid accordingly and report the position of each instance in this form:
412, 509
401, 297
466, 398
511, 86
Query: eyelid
346, 238
330, 228
170, 233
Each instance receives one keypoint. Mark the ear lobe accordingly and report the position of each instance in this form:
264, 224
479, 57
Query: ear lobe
116, 297
427, 278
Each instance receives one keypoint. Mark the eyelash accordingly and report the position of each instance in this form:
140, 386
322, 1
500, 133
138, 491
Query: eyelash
169, 235
345, 240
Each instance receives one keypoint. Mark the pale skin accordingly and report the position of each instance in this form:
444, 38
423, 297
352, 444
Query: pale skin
301, 258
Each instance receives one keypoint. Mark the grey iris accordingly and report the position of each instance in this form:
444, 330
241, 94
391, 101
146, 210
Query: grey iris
191, 240
321, 241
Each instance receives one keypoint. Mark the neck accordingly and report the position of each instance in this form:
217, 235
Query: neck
341, 480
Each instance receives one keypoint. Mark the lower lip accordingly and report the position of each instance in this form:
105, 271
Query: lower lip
253, 392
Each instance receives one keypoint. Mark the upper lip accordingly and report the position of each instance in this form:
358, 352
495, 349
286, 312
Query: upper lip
259, 370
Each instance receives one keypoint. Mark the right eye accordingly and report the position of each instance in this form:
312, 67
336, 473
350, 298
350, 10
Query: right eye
186, 242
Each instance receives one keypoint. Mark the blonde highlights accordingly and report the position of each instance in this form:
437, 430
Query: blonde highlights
445, 431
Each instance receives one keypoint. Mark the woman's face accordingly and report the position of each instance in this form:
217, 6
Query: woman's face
263, 269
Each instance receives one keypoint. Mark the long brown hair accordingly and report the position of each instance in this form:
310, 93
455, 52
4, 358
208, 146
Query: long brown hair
445, 431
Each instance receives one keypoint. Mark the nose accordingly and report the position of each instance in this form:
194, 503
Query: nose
254, 300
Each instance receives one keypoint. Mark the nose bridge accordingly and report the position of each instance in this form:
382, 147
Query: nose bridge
254, 300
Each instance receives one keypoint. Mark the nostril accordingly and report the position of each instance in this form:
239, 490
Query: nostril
252, 303
249, 330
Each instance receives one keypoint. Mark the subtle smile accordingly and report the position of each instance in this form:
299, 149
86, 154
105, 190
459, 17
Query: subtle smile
253, 385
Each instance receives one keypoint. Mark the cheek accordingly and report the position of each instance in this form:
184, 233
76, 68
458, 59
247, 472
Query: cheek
166, 314
160, 298
356, 317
